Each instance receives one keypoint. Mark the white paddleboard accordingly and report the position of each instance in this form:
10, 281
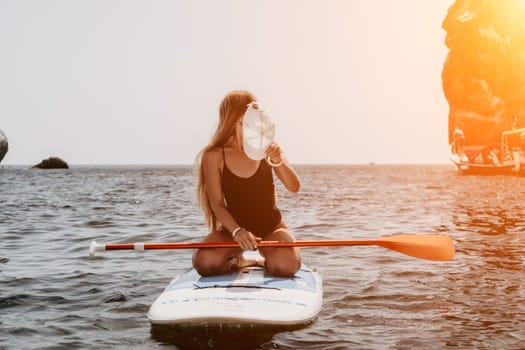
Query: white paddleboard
245, 297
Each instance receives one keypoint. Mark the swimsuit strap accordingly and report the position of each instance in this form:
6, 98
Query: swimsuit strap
223, 160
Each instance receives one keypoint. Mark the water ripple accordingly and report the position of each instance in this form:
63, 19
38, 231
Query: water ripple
55, 296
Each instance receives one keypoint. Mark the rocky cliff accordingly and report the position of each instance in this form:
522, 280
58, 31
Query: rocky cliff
484, 73
3, 145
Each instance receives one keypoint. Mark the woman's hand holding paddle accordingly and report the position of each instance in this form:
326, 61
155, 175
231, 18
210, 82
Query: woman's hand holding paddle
246, 239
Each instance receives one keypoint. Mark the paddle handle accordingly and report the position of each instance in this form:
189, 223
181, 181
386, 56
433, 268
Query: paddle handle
138, 246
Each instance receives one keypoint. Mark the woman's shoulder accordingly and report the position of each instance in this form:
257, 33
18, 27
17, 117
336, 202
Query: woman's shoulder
213, 155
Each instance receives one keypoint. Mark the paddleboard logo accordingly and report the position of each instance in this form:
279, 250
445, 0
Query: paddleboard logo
229, 300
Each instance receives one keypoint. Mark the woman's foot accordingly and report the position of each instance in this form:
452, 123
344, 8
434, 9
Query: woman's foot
239, 262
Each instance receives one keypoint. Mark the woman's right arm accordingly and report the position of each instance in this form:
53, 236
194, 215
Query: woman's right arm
211, 165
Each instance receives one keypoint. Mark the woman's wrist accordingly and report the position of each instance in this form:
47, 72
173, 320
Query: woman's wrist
236, 230
276, 164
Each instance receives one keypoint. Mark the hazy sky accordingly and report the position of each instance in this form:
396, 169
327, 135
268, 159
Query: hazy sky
140, 82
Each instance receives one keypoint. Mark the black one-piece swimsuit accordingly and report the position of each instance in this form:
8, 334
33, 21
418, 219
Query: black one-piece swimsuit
251, 200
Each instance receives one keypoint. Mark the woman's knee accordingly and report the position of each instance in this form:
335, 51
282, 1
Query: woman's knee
282, 270
211, 262
206, 270
205, 263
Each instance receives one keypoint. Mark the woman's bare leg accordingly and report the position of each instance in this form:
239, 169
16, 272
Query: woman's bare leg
217, 261
214, 261
282, 262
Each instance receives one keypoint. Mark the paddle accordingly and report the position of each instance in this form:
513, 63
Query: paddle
430, 247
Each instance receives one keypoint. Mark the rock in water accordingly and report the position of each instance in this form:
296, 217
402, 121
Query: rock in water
3, 145
51, 163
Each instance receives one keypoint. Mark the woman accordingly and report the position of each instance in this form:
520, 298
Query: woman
237, 196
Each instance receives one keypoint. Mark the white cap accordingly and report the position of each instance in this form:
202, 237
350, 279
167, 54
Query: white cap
258, 132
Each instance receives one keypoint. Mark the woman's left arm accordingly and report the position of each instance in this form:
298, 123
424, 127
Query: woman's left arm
284, 171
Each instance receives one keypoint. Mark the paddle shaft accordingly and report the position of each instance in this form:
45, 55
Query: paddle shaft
431, 247
198, 245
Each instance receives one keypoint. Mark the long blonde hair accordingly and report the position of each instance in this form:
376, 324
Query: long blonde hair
232, 109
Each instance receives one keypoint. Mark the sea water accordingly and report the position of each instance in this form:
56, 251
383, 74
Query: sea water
54, 296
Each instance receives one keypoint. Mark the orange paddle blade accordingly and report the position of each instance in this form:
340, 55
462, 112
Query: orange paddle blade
430, 247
